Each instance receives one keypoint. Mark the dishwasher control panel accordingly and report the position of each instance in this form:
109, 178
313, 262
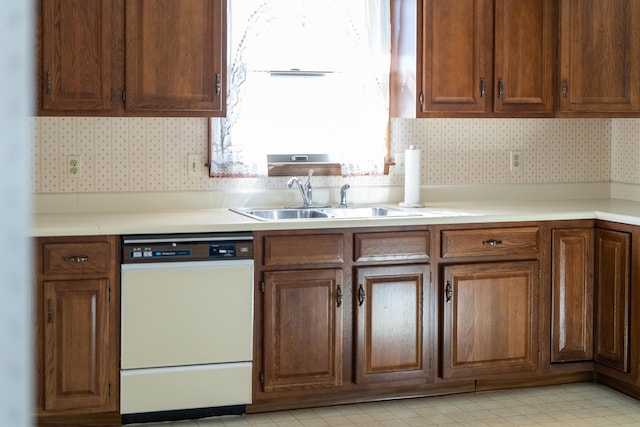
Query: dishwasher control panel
187, 247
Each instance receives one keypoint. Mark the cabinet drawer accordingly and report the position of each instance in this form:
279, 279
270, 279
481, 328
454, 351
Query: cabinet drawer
391, 246
301, 249
76, 258
490, 242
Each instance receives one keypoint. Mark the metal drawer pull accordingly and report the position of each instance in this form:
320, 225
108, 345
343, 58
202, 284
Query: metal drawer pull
492, 242
361, 295
76, 259
340, 296
448, 291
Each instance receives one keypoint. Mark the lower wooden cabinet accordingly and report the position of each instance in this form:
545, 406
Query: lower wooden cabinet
612, 298
343, 316
390, 331
303, 329
77, 338
572, 295
490, 319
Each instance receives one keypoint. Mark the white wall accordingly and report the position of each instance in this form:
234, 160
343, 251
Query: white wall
16, 49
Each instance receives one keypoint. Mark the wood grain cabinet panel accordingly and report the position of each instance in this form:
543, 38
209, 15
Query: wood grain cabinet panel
297, 250
303, 329
484, 58
77, 52
612, 298
175, 55
490, 319
572, 295
77, 342
391, 338
490, 242
455, 56
600, 56
132, 58
524, 56
402, 245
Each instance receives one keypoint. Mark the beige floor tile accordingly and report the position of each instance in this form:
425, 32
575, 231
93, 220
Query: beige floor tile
582, 404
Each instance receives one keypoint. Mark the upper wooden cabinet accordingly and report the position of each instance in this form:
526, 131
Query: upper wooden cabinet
175, 57
132, 58
600, 56
475, 58
77, 47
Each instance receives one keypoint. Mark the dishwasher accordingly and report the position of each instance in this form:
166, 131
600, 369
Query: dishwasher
186, 326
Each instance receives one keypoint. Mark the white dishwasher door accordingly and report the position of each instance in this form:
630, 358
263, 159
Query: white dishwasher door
186, 313
187, 334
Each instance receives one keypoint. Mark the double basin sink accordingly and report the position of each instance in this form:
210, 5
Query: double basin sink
278, 214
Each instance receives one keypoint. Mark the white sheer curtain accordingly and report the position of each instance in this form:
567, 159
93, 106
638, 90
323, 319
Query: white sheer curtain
342, 112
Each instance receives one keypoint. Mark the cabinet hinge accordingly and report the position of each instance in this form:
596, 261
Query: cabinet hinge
109, 295
109, 391
262, 287
261, 377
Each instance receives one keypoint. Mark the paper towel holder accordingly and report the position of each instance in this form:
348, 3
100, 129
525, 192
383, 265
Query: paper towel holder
414, 201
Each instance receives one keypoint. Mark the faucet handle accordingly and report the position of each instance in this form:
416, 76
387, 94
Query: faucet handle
343, 195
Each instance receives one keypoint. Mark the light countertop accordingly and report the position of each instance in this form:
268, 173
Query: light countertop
200, 220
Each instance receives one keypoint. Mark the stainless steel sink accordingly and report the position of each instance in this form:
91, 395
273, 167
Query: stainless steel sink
281, 214
278, 214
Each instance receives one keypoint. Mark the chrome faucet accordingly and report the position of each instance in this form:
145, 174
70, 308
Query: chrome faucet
343, 195
305, 189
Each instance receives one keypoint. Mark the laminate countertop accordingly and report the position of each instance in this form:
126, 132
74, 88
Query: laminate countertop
222, 219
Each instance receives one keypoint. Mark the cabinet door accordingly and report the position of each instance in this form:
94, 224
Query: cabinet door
456, 54
524, 56
76, 344
175, 54
612, 252
303, 329
572, 295
77, 43
391, 340
599, 56
490, 319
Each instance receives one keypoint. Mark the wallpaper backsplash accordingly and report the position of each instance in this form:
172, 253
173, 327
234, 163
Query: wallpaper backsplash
150, 154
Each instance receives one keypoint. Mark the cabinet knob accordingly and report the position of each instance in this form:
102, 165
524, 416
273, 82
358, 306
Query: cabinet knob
49, 311
448, 291
500, 88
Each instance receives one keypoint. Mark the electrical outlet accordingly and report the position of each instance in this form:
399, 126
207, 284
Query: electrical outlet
74, 166
515, 164
194, 163
399, 167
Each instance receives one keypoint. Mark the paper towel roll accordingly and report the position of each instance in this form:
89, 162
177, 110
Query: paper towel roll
412, 178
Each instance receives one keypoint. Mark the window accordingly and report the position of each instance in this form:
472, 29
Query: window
306, 77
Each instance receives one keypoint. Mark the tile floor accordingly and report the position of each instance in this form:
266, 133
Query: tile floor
581, 404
